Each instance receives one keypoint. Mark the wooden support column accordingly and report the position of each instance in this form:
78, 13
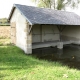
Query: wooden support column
41, 32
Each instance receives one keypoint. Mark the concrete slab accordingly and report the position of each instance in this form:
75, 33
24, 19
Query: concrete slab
49, 43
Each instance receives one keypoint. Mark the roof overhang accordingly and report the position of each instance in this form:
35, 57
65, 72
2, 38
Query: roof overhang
12, 11
40, 22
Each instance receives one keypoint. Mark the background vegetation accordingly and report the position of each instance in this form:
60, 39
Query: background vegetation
4, 22
57, 4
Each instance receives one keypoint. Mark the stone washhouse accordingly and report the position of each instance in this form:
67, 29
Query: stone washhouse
33, 27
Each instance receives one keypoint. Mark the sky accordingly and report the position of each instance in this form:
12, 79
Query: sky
6, 6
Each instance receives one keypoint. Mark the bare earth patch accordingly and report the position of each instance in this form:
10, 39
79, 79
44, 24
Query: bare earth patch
4, 31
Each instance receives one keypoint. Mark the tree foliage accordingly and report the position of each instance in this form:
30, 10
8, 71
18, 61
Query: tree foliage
57, 4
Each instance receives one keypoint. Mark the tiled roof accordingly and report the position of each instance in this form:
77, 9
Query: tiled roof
37, 15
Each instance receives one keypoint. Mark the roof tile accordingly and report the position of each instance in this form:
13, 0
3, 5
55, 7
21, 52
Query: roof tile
48, 16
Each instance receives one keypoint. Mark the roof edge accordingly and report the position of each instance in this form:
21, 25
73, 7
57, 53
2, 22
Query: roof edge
11, 13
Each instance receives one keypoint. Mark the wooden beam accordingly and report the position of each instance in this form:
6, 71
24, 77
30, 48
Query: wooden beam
60, 28
41, 33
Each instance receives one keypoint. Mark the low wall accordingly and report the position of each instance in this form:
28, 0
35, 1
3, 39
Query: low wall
4, 31
71, 33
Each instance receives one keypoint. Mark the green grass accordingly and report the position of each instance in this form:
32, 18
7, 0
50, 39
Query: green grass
15, 65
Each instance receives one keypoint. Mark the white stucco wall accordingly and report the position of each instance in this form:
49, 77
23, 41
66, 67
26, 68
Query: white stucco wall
72, 33
48, 33
20, 21
36, 33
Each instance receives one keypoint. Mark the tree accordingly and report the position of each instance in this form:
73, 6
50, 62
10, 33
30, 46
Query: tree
57, 4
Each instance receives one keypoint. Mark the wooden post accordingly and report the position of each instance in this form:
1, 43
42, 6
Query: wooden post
41, 33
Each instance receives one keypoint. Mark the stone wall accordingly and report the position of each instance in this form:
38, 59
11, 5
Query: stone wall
19, 33
13, 32
4, 31
28, 39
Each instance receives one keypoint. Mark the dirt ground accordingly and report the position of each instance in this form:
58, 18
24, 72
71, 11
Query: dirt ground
4, 31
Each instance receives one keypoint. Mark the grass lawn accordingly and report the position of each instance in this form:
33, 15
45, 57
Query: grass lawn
15, 65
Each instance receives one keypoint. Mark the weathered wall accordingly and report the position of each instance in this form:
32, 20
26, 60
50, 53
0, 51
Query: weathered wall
5, 31
13, 32
21, 30
28, 39
36, 33
46, 33
71, 33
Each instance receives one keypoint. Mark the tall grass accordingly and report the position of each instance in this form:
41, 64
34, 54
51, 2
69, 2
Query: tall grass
15, 65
